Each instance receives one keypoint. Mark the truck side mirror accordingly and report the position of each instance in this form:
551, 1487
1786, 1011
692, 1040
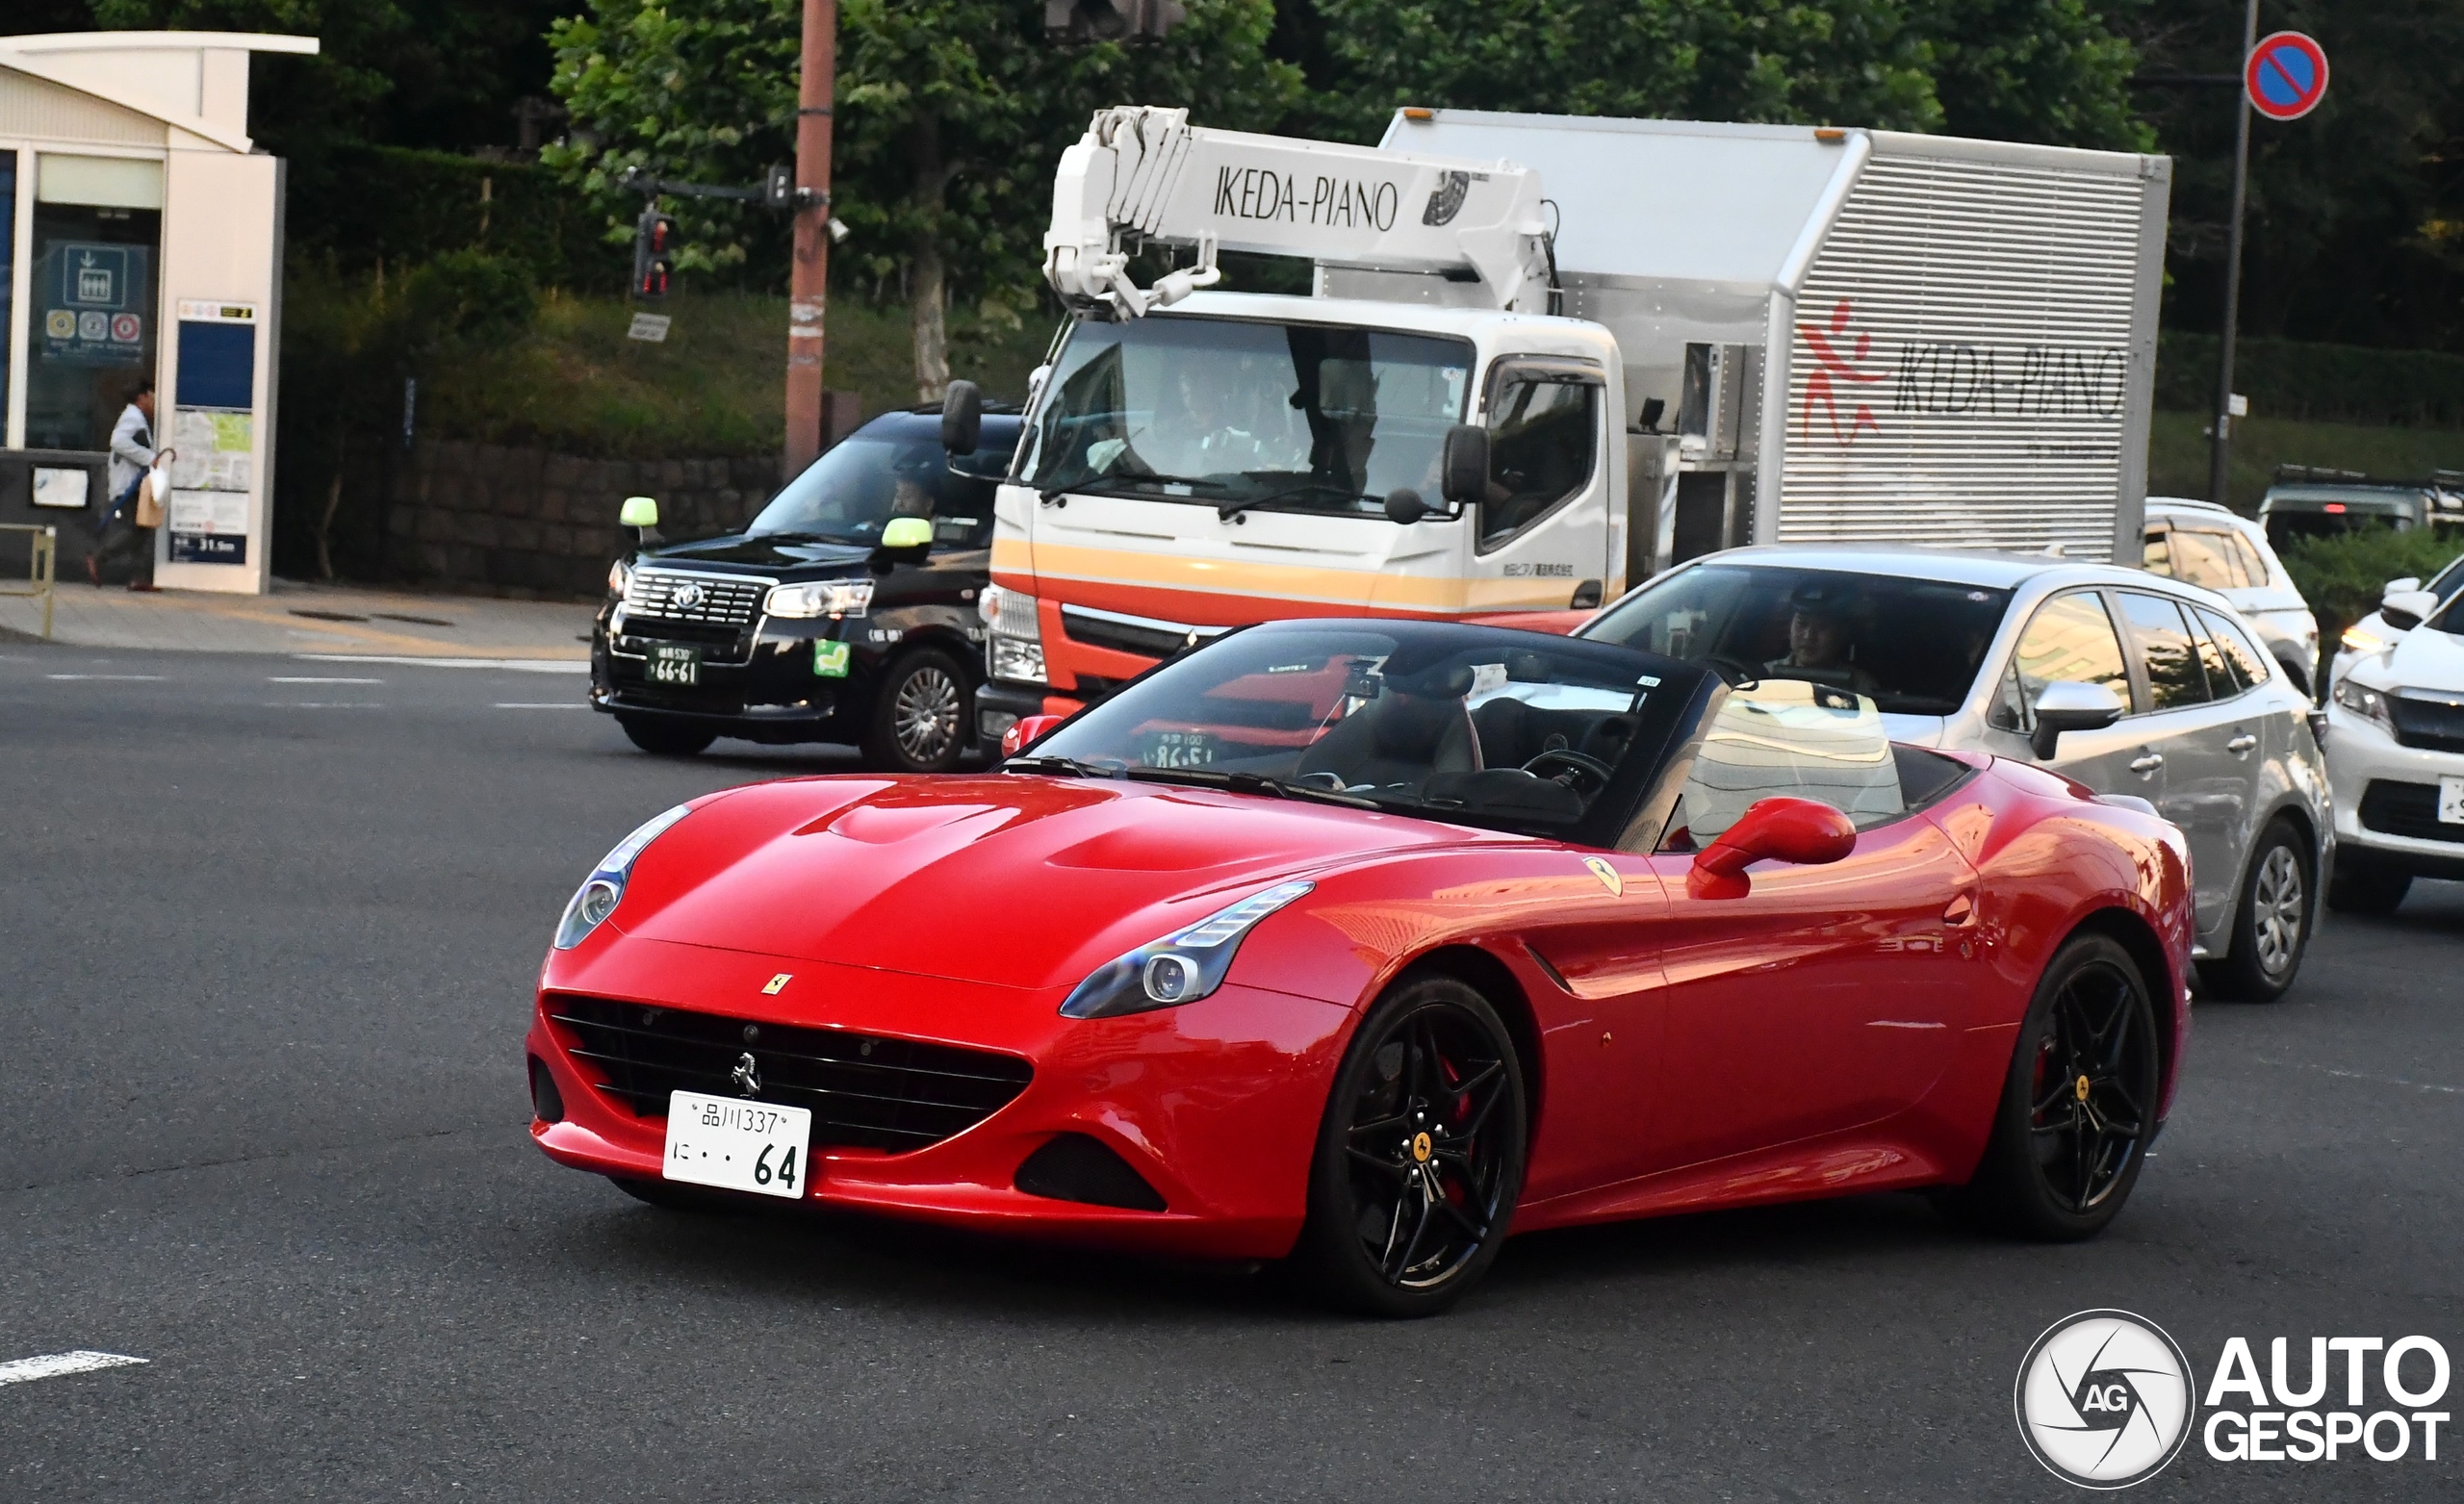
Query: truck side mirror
2069, 705
1463, 475
962, 418
1404, 506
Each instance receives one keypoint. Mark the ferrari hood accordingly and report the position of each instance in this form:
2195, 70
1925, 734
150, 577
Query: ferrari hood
1008, 880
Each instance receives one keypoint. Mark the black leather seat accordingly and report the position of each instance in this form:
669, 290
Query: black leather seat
1398, 738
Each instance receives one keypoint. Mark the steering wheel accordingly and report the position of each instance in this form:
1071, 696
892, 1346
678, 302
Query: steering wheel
1732, 672
1577, 762
1332, 782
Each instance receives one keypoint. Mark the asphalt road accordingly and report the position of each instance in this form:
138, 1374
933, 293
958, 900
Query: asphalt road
269, 949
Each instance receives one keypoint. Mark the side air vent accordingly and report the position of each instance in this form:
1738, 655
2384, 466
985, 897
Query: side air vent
1074, 1167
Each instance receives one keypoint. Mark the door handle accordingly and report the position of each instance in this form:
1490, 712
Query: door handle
2144, 766
2241, 744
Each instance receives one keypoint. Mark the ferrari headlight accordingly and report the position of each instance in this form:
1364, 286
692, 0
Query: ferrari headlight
2366, 702
1182, 967
597, 896
822, 598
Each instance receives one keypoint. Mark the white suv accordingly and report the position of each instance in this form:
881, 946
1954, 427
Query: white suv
2396, 759
2200, 543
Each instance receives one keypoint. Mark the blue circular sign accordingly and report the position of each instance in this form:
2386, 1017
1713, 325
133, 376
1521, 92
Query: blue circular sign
2286, 76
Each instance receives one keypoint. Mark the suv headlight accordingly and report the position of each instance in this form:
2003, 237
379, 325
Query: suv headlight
600, 892
2366, 702
821, 598
1182, 967
620, 579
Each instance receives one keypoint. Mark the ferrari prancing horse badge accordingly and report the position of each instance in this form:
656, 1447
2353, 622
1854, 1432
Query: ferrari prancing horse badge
1607, 875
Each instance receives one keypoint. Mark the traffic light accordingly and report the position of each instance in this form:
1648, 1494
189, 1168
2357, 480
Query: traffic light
654, 253
1111, 20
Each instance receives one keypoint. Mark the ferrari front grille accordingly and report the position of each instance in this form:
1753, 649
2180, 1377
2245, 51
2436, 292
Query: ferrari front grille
875, 1093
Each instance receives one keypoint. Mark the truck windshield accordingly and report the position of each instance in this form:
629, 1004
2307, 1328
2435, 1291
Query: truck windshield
1298, 416
1912, 646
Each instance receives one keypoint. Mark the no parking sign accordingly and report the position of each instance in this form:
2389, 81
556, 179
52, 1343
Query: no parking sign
2286, 76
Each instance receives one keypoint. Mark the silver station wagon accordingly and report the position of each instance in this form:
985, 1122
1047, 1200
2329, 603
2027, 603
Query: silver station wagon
2132, 683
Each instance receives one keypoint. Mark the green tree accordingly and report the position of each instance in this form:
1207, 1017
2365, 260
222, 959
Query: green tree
949, 115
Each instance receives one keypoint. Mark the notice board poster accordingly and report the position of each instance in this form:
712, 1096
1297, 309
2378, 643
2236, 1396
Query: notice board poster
214, 433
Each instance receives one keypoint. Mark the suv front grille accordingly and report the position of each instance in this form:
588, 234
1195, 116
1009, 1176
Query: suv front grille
2409, 810
891, 1094
2432, 725
722, 601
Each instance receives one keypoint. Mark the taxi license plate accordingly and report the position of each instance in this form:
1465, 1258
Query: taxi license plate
737, 1145
2451, 802
673, 665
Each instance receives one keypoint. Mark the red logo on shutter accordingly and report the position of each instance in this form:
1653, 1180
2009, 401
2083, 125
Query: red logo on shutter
1831, 368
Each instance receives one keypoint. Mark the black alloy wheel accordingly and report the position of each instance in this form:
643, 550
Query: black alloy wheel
2360, 887
921, 714
665, 738
2079, 1105
2271, 918
1420, 1157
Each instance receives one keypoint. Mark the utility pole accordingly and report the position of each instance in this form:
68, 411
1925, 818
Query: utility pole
808, 278
2219, 452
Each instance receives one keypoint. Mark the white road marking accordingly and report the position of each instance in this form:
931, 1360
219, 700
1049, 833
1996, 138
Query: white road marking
51, 1365
541, 704
298, 678
515, 665
322, 705
146, 678
2383, 1080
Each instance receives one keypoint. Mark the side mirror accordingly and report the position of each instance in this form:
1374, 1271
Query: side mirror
1404, 506
2405, 609
638, 511
2069, 705
1463, 476
1804, 831
2402, 587
905, 540
1025, 731
962, 418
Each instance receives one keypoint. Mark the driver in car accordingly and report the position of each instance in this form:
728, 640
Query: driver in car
1821, 646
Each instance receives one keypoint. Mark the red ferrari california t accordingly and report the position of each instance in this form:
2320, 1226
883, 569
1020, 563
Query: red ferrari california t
1365, 943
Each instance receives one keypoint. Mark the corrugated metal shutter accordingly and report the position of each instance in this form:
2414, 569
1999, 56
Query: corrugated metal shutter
1963, 360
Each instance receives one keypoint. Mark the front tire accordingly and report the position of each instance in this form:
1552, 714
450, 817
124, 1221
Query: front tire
2079, 1104
1420, 1157
2360, 887
920, 715
665, 738
2271, 922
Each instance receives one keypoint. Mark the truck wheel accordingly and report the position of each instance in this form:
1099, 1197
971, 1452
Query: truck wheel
2360, 887
2271, 922
920, 714
663, 738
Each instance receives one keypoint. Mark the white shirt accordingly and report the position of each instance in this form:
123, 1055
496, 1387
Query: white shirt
132, 451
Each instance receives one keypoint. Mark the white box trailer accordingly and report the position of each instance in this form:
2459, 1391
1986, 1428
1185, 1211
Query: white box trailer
1547, 357
1956, 338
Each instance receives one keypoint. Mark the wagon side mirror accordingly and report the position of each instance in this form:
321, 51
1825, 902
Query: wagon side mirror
1463, 476
962, 418
2405, 609
2069, 705
1025, 731
1802, 831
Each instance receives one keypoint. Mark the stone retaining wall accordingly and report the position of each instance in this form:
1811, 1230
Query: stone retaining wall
528, 522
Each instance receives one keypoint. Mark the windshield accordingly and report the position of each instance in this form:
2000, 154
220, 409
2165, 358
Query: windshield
1474, 726
894, 471
1292, 417
1912, 646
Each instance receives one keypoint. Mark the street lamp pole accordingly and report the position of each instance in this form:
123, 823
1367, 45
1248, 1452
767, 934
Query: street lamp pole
2220, 452
809, 277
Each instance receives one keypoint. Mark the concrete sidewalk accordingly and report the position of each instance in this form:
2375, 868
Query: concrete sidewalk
309, 618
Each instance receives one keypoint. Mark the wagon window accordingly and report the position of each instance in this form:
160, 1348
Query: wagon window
1786, 738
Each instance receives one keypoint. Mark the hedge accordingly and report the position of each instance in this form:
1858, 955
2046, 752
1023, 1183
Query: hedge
2315, 383
353, 205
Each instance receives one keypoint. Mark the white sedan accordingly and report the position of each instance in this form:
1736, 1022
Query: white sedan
2396, 764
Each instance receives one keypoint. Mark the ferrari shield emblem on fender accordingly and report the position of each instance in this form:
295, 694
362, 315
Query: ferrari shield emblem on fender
1607, 875
778, 983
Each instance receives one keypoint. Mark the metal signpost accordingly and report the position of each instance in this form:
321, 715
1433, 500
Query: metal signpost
2283, 78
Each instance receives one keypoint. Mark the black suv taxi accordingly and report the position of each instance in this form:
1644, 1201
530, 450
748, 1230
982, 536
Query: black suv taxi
846, 611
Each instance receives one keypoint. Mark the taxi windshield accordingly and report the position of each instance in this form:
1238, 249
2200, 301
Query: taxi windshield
1297, 416
1468, 724
889, 471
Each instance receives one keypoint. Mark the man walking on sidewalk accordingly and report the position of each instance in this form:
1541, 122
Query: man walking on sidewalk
132, 457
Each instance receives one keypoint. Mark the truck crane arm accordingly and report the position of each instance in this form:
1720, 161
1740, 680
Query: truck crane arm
1143, 174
